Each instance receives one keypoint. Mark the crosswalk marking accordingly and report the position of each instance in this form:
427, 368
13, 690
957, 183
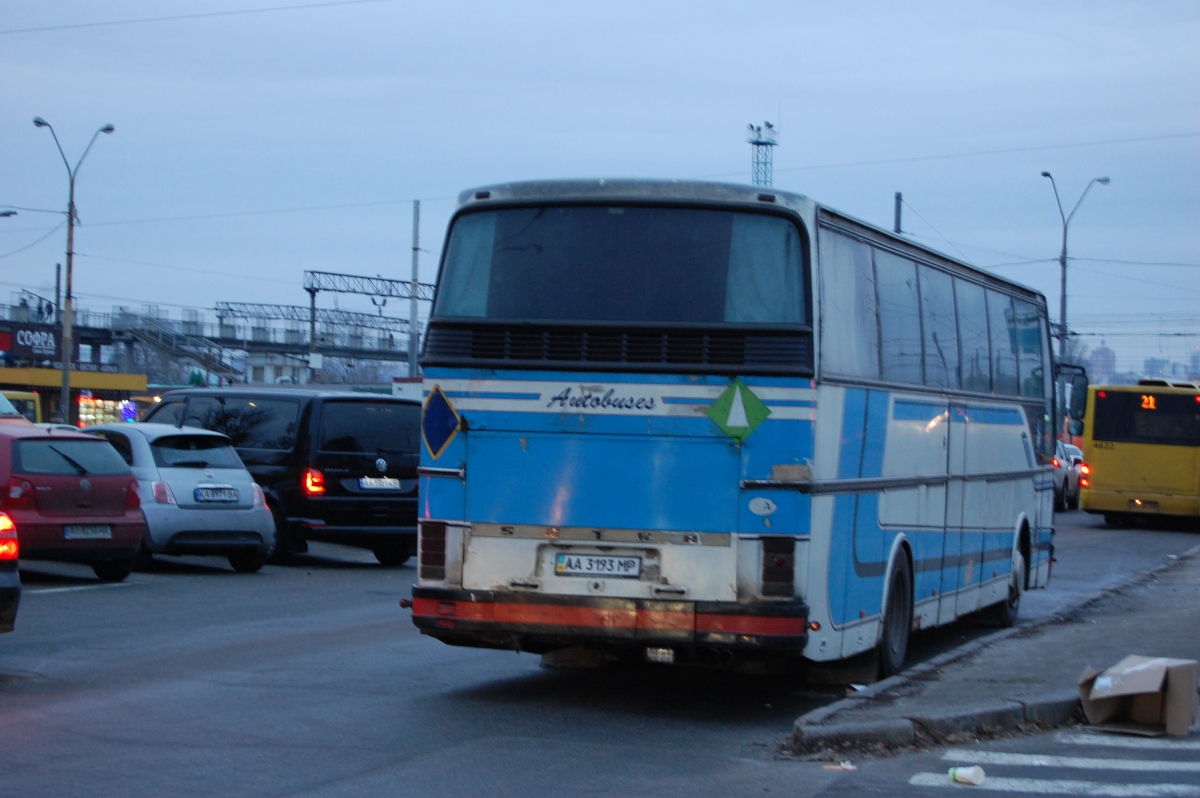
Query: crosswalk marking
1117, 741
1092, 789
1089, 763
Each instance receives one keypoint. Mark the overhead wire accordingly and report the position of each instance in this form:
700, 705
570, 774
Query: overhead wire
49, 233
198, 15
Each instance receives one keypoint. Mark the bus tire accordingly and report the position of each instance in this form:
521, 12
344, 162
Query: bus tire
897, 619
1005, 613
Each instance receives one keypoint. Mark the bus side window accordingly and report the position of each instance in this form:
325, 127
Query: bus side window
975, 354
1030, 366
1003, 334
942, 368
850, 319
899, 318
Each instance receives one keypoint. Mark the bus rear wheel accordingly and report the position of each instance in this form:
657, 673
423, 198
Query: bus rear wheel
1004, 614
897, 619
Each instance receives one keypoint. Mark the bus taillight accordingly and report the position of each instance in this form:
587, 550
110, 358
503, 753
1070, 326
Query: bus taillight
431, 555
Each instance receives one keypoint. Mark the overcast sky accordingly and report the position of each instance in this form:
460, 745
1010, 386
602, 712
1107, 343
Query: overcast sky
250, 147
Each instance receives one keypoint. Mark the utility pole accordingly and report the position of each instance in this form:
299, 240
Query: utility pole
899, 202
413, 337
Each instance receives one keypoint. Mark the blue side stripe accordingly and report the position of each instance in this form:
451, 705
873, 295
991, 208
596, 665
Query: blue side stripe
525, 397
877, 420
989, 415
850, 454
916, 411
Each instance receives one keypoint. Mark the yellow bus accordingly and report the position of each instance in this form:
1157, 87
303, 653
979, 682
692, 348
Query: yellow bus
1141, 450
27, 404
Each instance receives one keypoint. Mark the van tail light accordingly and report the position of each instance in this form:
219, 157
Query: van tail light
18, 495
259, 498
163, 493
9, 547
314, 482
132, 500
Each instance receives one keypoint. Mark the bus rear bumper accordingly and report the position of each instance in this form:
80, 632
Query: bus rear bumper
1093, 500
540, 623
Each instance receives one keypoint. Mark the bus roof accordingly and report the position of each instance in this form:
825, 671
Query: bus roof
702, 193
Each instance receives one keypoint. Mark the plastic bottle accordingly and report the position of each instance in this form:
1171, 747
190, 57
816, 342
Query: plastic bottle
971, 775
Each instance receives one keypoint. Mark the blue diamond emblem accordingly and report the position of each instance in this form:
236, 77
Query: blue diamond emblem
439, 422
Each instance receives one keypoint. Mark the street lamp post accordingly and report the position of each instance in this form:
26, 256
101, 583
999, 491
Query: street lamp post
1062, 312
68, 316
1062, 257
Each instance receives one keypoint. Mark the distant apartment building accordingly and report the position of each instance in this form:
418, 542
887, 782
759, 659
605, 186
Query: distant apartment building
1102, 363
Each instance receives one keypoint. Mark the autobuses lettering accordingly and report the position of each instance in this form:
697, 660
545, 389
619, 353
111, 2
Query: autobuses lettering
592, 399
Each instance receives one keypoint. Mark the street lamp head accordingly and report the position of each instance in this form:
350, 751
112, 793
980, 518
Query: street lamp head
37, 120
110, 129
1104, 181
1045, 174
8, 213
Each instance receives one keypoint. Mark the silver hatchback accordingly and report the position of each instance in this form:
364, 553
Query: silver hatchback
196, 495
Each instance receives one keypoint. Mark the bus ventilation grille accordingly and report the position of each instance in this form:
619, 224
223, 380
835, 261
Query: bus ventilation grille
431, 553
777, 351
778, 566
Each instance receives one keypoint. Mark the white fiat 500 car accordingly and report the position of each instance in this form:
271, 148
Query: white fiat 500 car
196, 495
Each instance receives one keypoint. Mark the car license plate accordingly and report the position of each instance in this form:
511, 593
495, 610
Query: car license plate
87, 532
379, 483
216, 494
593, 565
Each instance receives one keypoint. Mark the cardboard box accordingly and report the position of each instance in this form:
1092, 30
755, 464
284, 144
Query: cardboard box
1150, 696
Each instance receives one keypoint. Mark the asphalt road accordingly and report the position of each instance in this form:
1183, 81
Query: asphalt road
190, 679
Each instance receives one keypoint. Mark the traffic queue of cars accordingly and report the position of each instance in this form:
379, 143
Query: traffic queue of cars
245, 474
1068, 470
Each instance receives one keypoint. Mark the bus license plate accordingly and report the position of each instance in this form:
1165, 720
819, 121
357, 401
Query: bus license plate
87, 532
593, 565
216, 494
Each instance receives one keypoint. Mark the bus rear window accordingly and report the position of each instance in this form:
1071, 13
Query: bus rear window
1136, 417
624, 264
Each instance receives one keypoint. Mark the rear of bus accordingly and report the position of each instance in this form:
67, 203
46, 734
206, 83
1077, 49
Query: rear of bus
608, 366
1142, 451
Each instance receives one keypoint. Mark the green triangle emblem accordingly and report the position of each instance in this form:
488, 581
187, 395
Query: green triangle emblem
737, 411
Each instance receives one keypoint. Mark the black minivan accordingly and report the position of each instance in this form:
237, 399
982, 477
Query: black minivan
337, 467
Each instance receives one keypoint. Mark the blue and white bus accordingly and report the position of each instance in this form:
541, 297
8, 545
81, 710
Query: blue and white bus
689, 421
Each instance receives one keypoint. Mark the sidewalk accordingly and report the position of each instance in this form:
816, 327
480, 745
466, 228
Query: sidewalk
1021, 677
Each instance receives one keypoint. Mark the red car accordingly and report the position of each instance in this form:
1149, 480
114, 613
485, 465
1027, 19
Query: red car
72, 498
10, 579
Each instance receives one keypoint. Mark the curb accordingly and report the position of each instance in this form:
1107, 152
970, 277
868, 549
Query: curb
1058, 708
1000, 715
